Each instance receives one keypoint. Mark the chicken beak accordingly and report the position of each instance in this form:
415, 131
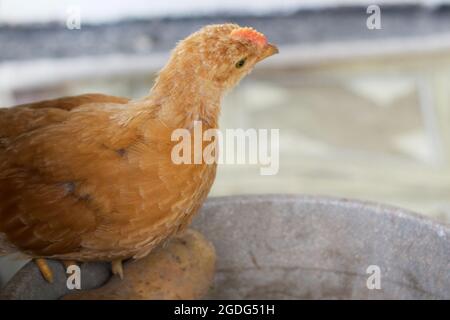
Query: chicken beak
269, 50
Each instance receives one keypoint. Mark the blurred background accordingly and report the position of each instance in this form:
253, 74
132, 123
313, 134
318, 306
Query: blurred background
363, 113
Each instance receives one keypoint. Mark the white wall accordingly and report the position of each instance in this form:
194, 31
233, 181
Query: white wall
25, 11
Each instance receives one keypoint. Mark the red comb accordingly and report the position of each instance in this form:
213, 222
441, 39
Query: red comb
249, 34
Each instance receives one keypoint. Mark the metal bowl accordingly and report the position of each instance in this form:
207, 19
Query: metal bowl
300, 247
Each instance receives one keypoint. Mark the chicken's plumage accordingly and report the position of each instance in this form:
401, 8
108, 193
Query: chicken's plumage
91, 177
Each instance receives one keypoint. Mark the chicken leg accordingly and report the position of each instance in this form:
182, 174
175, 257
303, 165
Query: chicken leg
117, 268
43, 266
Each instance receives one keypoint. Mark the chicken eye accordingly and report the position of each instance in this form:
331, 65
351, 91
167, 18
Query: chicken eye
240, 63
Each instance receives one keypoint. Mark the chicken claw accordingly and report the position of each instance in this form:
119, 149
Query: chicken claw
45, 269
117, 268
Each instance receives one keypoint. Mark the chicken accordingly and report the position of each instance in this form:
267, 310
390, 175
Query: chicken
90, 177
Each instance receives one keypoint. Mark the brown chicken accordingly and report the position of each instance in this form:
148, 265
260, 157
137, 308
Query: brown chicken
90, 177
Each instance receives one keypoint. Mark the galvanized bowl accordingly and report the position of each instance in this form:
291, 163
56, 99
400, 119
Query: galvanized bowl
300, 247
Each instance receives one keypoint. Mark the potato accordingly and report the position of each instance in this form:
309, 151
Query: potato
183, 269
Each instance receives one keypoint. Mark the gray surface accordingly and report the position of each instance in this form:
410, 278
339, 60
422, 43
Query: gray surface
9, 265
292, 247
286, 247
307, 26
